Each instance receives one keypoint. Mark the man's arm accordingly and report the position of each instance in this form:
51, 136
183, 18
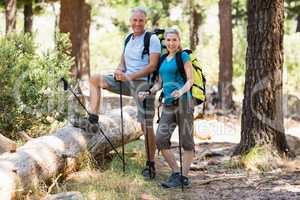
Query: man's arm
119, 71
153, 61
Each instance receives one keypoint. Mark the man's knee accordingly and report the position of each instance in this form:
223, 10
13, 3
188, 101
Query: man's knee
98, 81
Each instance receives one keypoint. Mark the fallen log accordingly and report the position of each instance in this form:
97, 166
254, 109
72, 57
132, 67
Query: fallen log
7, 144
45, 157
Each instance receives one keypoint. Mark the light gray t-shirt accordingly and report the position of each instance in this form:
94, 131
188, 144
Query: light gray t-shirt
133, 53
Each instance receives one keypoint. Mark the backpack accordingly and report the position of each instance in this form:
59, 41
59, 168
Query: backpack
198, 88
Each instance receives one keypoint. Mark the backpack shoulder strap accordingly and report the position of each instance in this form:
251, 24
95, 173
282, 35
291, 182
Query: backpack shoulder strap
147, 38
156, 72
161, 59
180, 65
127, 40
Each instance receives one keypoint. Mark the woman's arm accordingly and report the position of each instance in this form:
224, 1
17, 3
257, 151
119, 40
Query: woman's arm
157, 86
188, 68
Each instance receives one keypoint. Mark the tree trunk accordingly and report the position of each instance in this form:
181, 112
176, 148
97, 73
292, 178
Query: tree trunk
196, 19
10, 15
262, 117
45, 157
75, 18
84, 59
28, 18
298, 24
225, 55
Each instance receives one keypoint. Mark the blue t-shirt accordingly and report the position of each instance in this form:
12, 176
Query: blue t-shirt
171, 78
133, 53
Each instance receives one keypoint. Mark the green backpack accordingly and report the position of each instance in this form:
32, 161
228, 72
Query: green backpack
198, 88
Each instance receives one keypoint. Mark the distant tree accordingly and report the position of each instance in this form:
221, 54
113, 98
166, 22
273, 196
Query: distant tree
262, 115
298, 24
196, 19
75, 18
293, 11
225, 55
10, 15
28, 16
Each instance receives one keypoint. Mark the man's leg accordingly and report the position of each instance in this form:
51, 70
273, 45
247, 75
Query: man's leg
97, 82
151, 141
146, 111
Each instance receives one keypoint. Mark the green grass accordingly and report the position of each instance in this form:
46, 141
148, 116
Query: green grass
111, 183
260, 158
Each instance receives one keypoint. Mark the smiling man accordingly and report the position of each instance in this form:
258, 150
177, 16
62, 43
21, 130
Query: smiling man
136, 64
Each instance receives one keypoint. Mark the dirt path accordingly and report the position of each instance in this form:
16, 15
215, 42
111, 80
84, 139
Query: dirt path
213, 178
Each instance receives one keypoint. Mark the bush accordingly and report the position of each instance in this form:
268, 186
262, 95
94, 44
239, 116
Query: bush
29, 82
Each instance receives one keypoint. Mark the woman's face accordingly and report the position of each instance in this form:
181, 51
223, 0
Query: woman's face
172, 42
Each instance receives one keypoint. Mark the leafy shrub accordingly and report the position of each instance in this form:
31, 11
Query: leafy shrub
28, 82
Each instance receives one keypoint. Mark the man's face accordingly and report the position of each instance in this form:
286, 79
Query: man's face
138, 21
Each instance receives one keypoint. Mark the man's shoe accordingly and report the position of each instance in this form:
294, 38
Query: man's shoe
175, 181
149, 171
89, 124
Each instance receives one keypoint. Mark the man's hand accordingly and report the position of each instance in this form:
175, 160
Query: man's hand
119, 75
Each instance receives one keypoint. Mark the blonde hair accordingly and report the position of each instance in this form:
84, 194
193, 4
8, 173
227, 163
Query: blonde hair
176, 32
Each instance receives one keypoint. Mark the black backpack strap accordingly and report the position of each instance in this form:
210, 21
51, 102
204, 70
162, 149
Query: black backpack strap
156, 72
127, 40
180, 65
147, 38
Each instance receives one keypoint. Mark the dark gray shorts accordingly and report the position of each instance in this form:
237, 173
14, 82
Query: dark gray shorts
168, 122
131, 88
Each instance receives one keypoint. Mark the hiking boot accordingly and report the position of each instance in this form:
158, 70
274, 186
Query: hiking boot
149, 171
175, 181
89, 124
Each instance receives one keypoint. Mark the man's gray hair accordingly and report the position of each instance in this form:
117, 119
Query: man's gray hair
139, 10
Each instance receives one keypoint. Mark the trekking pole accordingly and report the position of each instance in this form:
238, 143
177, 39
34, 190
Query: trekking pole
147, 135
66, 87
179, 141
122, 128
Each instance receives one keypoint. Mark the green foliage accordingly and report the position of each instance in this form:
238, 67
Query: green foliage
239, 13
29, 82
292, 8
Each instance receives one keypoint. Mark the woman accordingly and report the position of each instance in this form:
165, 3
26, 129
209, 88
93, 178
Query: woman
177, 109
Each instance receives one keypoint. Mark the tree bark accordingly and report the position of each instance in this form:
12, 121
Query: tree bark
225, 55
45, 157
28, 17
10, 15
262, 117
75, 19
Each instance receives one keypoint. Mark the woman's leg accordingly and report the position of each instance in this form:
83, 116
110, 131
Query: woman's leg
188, 157
170, 158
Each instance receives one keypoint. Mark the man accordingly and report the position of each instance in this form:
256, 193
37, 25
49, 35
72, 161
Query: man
133, 72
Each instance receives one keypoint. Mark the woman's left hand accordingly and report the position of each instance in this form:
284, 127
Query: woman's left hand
177, 93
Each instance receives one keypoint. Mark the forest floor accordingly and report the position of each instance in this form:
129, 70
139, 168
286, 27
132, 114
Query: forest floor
214, 175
